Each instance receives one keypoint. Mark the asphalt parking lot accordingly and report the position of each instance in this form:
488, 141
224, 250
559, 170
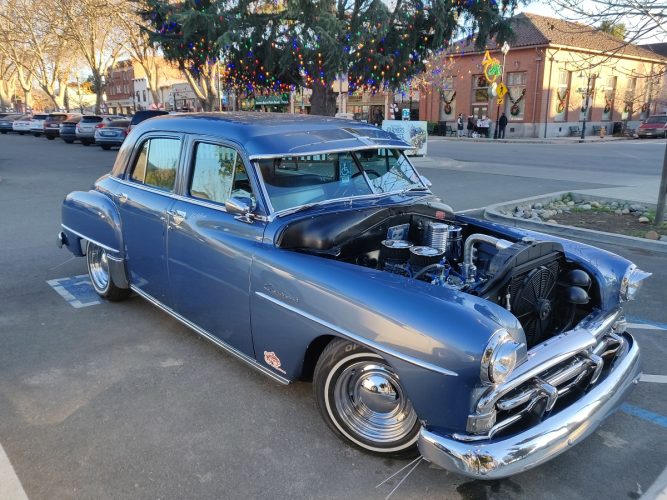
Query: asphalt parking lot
102, 400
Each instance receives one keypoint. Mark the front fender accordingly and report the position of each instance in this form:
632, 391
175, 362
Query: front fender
432, 336
92, 216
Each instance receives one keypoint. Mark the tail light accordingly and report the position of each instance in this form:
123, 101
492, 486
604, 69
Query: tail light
100, 125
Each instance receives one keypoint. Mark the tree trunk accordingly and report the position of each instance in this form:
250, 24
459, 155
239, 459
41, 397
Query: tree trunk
323, 100
99, 90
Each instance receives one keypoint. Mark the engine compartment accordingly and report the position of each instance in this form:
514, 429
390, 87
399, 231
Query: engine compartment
532, 279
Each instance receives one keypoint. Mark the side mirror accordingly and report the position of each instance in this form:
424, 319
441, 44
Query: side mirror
426, 182
241, 207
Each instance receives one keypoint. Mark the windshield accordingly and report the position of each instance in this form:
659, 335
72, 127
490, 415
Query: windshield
300, 180
657, 119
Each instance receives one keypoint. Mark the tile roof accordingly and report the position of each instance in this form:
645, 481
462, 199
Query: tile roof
535, 30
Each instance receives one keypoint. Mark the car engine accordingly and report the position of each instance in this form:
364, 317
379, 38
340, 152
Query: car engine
532, 279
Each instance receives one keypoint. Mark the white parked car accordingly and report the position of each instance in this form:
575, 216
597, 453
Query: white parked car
37, 124
22, 125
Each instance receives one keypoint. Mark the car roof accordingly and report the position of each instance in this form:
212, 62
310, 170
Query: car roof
270, 135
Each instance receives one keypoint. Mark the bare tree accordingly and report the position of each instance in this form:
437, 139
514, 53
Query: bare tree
93, 28
142, 50
642, 19
7, 82
33, 45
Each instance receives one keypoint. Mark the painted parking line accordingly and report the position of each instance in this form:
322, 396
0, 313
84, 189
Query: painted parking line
647, 415
658, 379
10, 486
640, 324
76, 290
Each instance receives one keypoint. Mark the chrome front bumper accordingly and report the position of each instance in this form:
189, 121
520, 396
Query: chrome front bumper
497, 458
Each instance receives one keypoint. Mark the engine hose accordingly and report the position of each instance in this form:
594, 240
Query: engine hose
427, 269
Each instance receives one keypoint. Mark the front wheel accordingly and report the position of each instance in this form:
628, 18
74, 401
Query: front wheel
98, 270
362, 400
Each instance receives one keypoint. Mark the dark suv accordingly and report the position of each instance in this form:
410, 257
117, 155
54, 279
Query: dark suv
140, 116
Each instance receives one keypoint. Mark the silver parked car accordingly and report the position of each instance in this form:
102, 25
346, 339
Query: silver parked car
37, 124
85, 129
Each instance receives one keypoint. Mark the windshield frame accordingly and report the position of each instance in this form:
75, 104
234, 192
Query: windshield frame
374, 194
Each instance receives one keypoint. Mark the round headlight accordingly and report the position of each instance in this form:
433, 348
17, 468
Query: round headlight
503, 361
501, 356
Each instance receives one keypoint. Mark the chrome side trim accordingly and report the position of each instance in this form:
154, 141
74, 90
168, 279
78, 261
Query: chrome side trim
498, 458
110, 249
358, 339
226, 347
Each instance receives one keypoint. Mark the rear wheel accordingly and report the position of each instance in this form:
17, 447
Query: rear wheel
85, 143
50, 137
21, 133
37, 134
362, 400
98, 270
105, 147
68, 141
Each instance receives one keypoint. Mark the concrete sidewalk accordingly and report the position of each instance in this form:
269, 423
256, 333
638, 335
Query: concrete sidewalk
534, 140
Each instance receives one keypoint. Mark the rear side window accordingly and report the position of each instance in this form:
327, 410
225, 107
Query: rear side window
91, 119
157, 163
218, 174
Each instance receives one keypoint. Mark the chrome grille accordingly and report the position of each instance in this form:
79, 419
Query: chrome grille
533, 400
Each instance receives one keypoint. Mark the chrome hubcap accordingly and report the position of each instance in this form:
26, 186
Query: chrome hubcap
98, 266
370, 399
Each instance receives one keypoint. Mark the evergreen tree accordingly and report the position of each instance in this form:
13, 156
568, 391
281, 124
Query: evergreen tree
282, 44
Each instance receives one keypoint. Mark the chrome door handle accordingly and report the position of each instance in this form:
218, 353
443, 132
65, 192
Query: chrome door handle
177, 216
122, 197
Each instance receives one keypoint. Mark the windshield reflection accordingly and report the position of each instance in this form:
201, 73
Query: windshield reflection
295, 181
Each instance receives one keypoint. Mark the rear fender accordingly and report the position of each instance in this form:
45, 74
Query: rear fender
92, 216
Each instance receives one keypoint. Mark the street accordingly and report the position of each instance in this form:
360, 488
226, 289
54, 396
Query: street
117, 400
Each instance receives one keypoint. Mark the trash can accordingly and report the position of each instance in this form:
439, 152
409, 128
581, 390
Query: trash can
618, 128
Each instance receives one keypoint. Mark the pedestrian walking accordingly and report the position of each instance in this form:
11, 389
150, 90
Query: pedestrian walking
502, 123
459, 125
471, 126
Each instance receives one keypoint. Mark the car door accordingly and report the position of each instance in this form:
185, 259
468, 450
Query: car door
210, 251
144, 198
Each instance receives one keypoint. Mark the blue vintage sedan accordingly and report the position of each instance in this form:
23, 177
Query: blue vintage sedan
311, 249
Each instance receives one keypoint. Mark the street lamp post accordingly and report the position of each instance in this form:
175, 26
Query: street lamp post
505, 49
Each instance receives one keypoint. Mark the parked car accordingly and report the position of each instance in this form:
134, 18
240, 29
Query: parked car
22, 125
67, 130
113, 134
654, 126
145, 114
53, 121
7, 121
312, 249
85, 129
37, 124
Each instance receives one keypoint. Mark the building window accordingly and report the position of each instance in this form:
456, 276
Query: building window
480, 89
629, 99
562, 96
608, 93
143, 93
516, 87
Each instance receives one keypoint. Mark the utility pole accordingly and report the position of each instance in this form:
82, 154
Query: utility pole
662, 194
505, 50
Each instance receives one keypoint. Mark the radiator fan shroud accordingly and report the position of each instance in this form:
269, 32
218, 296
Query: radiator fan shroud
534, 302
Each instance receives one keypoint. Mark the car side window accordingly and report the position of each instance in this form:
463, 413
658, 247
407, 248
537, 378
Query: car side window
218, 173
157, 163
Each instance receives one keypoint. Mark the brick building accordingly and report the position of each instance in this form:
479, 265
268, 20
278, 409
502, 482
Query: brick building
119, 87
550, 69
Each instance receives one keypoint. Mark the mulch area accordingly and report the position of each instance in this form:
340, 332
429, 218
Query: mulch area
608, 222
